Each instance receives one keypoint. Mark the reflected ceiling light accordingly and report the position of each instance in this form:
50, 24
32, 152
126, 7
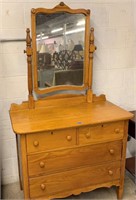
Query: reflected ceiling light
46, 37
38, 39
56, 30
43, 38
75, 31
40, 34
82, 22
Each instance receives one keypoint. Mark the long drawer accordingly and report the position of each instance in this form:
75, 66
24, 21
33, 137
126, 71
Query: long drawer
61, 160
51, 140
70, 180
101, 132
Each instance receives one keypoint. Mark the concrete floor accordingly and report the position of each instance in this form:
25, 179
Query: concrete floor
12, 191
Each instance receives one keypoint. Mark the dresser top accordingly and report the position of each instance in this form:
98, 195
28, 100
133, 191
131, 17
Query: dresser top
65, 114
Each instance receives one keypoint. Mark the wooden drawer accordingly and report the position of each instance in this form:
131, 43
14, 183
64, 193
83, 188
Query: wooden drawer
50, 140
63, 160
74, 179
101, 133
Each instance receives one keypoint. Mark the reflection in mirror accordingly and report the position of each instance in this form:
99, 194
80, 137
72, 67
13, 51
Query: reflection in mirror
60, 49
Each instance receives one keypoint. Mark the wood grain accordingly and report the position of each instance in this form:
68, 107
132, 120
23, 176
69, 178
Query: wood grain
92, 48
78, 191
73, 179
24, 166
123, 161
67, 159
28, 51
65, 114
51, 140
101, 133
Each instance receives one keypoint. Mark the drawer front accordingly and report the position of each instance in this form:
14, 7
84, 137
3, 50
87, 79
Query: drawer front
74, 179
51, 140
101, 133
62, 160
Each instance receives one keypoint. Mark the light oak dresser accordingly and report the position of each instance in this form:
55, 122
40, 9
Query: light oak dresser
68, 143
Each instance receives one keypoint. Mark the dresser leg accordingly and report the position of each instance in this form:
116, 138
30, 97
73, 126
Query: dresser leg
18, 159
119, 193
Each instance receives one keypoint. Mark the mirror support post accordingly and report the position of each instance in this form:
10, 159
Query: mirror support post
28, 51
92, 49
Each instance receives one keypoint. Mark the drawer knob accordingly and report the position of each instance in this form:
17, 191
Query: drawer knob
110, 172
42, 164
36, 143
88, 135
69, 138
111, 151
117, 130
43, 186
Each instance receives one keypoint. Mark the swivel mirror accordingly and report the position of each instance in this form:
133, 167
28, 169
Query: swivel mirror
60, 50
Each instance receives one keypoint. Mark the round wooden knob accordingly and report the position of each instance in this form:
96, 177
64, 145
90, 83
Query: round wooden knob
42, 164
43, 186
69, 138
117, 130
36, 143
110, 172
111, 151
88, 135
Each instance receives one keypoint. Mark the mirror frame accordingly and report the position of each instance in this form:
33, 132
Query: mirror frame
60, 8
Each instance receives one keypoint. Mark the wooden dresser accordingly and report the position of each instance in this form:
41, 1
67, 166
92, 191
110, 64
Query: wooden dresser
70, 146
72, 142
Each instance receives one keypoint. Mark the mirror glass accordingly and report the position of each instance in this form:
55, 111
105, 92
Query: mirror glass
60, 39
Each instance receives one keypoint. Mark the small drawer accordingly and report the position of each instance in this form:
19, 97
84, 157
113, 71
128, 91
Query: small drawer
50, 140
71, 180
72, 158
101, 132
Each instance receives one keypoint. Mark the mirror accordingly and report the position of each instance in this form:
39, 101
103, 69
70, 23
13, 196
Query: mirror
60, 57
60, 49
